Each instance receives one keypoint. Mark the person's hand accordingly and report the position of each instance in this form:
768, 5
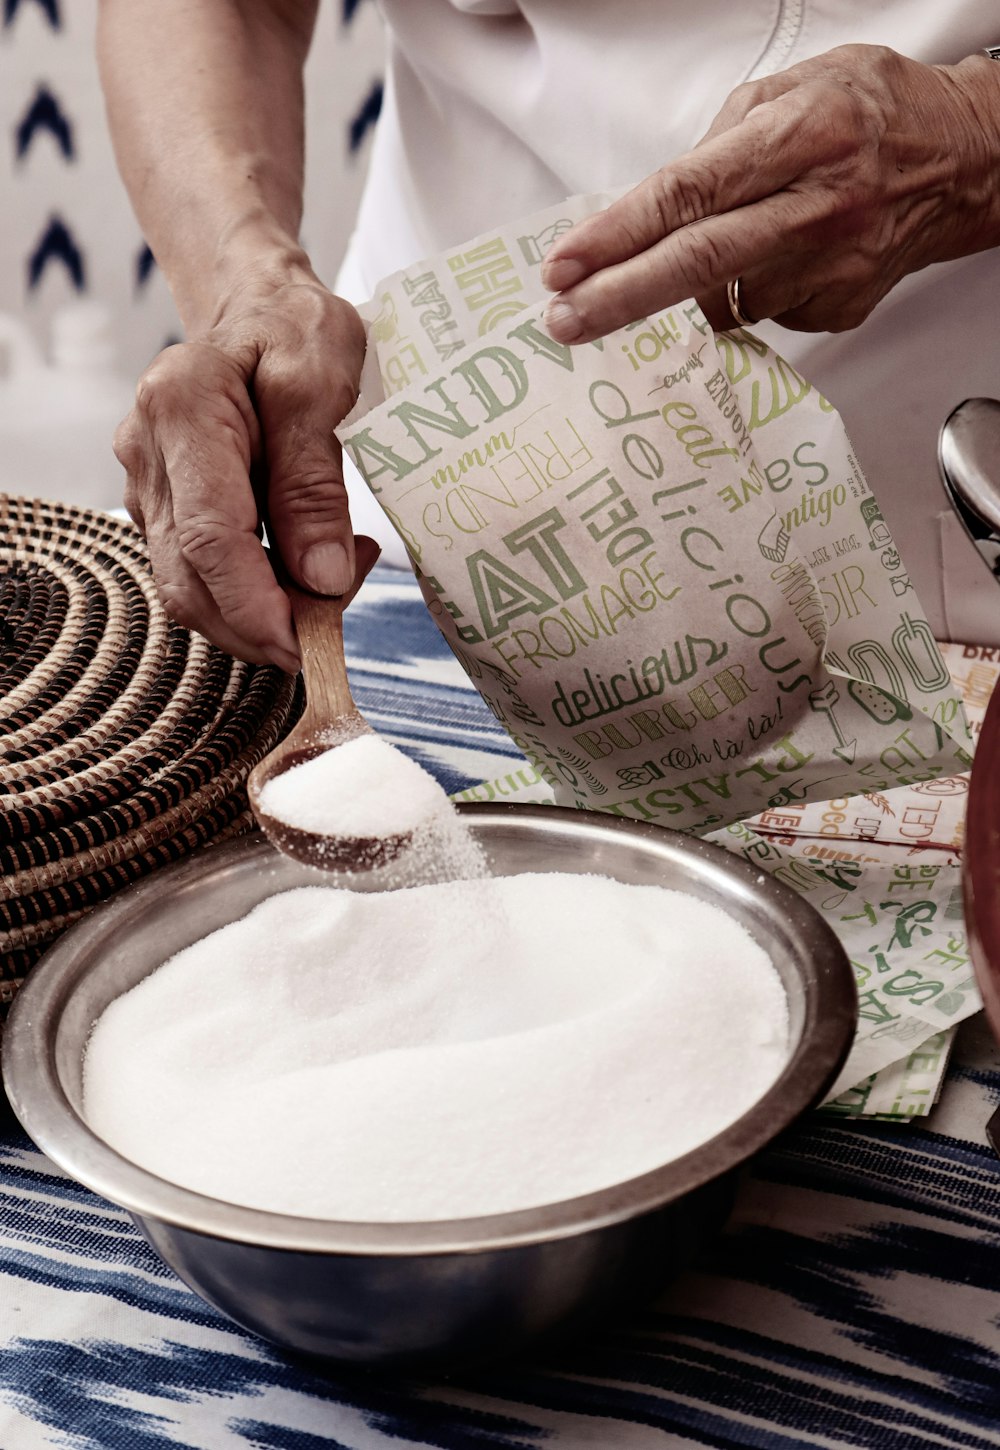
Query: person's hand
235, 429
819, 188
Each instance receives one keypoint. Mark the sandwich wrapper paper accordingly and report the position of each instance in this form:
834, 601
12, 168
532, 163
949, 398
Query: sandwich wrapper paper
659, 562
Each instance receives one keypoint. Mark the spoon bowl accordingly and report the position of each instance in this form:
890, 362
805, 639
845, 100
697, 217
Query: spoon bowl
330, 719
329, 853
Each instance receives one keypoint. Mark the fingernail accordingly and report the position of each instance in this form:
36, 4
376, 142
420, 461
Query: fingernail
325, 568
291, 664
563, 321
562, 272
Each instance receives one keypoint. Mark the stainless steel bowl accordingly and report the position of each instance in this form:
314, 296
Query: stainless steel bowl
472, 1287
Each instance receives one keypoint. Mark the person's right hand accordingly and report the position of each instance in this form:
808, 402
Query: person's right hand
818, 188
234, 429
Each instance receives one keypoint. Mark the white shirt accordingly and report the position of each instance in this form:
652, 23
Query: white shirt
497, 108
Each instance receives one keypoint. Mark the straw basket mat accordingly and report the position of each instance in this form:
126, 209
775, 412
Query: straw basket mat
125, 740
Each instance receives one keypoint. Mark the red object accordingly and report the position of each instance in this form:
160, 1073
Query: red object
981, 863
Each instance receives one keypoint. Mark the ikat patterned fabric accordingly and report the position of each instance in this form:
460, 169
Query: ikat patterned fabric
854, 1299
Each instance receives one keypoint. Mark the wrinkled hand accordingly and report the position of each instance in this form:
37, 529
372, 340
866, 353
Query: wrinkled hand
819, 187
235, 429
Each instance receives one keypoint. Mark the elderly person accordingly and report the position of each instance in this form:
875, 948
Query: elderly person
848, 180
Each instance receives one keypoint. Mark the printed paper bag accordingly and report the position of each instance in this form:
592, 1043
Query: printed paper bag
655, 555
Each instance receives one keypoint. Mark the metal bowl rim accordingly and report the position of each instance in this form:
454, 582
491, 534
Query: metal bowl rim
43, 1107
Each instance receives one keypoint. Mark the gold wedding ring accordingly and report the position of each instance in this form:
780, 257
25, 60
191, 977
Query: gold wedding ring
735, 306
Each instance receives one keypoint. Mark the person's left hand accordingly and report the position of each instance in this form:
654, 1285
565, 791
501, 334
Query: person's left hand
819, 188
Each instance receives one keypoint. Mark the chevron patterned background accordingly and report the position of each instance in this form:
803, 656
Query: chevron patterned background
67, 230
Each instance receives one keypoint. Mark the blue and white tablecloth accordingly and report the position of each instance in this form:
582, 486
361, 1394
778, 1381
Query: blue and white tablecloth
854, 1298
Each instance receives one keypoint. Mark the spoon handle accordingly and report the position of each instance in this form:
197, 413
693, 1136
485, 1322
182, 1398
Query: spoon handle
319, 625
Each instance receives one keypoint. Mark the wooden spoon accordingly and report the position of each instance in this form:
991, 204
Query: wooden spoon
331, 718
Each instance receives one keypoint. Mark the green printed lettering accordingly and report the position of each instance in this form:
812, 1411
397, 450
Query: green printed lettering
872, 1009
477, 457
661, 800
542, 345
637, 450
797, 874
613, 615
694, 437
538, 536
508, 370
578, 627
372, 458
913, 986
502, 594
792, 758
787, 388
592, 742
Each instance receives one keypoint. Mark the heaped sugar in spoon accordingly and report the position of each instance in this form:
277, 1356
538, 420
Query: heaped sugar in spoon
334, 794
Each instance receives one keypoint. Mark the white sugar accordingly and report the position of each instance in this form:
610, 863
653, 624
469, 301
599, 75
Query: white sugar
363, 788
439, 1052
367, 791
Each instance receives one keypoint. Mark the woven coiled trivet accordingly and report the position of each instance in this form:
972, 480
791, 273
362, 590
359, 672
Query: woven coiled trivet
125, 740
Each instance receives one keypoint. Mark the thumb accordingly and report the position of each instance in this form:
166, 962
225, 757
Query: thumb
366, 552
307, 509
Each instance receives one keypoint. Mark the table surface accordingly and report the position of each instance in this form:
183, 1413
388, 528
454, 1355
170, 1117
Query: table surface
854, 1298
